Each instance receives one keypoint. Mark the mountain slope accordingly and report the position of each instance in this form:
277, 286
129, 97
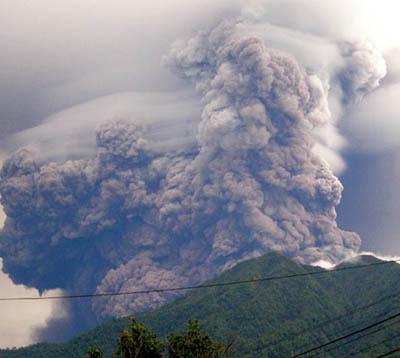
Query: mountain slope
262, 314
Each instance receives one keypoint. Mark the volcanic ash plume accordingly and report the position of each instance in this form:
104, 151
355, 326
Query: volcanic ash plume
365, 69
132, 218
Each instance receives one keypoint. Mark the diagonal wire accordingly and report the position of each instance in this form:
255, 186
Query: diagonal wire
375, 324
349, 328
389, 353
327, 322
373, 346
336, 318
184, 288
357, 338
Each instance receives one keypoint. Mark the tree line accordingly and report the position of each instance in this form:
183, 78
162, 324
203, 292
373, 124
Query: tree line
141, 342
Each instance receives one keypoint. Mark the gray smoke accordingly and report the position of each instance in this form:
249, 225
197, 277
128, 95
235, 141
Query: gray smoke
364, 69
132, 218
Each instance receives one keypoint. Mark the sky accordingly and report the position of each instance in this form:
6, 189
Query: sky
66, 66
18, 329
20, 319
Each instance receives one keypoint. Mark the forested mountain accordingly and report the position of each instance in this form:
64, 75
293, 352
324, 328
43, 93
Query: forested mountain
276, 318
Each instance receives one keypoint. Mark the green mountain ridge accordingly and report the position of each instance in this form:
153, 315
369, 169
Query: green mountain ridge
275, 318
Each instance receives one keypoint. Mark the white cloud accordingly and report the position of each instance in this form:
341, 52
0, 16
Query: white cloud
19, 319
170, 116
381, 256
2, 213
81, 50
355, 258
57, 54
374, 124
2, 217
327, 265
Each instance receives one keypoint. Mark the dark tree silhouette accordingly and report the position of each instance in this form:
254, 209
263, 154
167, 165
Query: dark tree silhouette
194, 344
141, 342
95, 352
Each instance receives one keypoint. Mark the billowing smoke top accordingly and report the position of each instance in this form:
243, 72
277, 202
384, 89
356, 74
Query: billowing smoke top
132, 218
365, 68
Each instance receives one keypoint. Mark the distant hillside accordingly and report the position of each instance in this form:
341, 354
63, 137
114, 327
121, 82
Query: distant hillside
267, 317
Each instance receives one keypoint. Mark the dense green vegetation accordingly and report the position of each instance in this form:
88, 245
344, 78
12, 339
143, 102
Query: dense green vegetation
274, 318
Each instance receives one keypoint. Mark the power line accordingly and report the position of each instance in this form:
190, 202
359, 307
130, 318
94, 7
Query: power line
336, 318
184, 288
389, 353
326, 322
374, 345
348, 335
357, 338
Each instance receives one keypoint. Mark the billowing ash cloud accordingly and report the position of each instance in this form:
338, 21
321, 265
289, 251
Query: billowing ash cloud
133, 218
365, 68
